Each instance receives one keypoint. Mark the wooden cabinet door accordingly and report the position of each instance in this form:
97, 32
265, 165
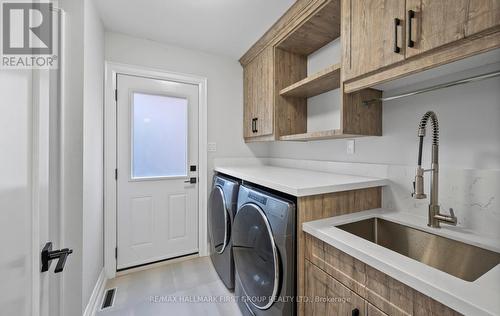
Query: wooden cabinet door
327, 297
373, 311
483, 14
265, 104
248, 111
258, 95
432, 23
371, 36
248, 102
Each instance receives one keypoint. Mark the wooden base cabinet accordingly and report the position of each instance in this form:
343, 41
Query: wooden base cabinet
333, 273
327, 297
320, 206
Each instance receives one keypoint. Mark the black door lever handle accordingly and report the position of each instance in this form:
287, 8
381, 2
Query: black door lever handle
63, 255
48, 255
191, 180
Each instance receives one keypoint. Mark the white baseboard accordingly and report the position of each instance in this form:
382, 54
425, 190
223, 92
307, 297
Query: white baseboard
94, 300
157, 264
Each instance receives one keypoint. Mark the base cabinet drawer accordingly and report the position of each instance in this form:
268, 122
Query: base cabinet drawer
373, 311
328, 297
332, 272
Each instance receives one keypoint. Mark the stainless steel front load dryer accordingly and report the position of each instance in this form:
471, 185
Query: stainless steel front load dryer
264, 253
221, 210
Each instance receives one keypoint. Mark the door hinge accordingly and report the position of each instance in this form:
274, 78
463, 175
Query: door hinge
116, 252
116, 174
116, 94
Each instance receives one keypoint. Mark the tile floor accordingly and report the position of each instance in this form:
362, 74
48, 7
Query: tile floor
185, 288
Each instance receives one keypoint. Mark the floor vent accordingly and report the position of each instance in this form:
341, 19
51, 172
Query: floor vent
109, 298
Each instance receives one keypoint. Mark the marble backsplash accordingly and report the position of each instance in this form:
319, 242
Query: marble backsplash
474, 195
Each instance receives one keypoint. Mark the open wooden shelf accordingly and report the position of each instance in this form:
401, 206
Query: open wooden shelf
321, 82
320, 135
318, 30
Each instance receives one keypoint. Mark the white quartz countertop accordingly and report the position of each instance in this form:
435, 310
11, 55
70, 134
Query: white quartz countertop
481, 297
300, 182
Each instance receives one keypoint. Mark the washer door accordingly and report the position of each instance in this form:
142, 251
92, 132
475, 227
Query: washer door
256, 256
218, 220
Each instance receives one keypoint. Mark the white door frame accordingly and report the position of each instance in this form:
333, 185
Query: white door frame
110, 211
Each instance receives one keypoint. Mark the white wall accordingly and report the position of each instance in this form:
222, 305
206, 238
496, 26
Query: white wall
93, 98
72, 158
225, 87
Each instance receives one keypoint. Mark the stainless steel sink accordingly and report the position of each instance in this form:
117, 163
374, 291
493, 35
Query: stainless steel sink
464, 261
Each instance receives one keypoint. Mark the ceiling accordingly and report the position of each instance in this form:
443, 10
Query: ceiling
224, 27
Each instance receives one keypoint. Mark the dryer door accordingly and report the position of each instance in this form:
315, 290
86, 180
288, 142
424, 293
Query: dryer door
218, 221
256, 256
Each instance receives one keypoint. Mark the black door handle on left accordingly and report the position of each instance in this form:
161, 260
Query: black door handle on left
191, 180
48, 255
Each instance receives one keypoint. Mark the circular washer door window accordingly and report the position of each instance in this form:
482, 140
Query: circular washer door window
218, 221
256, 256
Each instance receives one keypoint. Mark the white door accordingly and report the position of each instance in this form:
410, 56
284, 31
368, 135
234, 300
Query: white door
26, 208
157, 155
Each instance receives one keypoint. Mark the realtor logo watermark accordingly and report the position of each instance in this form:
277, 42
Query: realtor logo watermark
29, 35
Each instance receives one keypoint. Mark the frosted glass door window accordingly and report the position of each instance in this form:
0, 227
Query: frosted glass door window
159, 136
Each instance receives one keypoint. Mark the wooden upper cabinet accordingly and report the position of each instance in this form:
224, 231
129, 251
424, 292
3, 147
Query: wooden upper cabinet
372, 35
248, 101
483, 15
431, 33
258, 95
431, 24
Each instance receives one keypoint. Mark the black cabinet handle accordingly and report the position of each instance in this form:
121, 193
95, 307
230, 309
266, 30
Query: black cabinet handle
397, 22
254, 125
411, 16
256, 120
355, 312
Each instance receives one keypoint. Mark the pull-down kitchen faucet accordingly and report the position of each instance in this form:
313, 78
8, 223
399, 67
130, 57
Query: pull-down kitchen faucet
435, 217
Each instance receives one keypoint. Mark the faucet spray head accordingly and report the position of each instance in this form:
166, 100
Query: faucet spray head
418, 184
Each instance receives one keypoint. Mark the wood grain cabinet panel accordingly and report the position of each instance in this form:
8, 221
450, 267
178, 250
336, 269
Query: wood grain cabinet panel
388, 294
426, 306
373, 311
348, 270
383, 295
370, 35
315, 251
328, 297
249, 114
434, 24
258, 95
431, 33
482, 15
315, 207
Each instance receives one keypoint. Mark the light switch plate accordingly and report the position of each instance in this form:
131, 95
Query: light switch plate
350, 146
212, 147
